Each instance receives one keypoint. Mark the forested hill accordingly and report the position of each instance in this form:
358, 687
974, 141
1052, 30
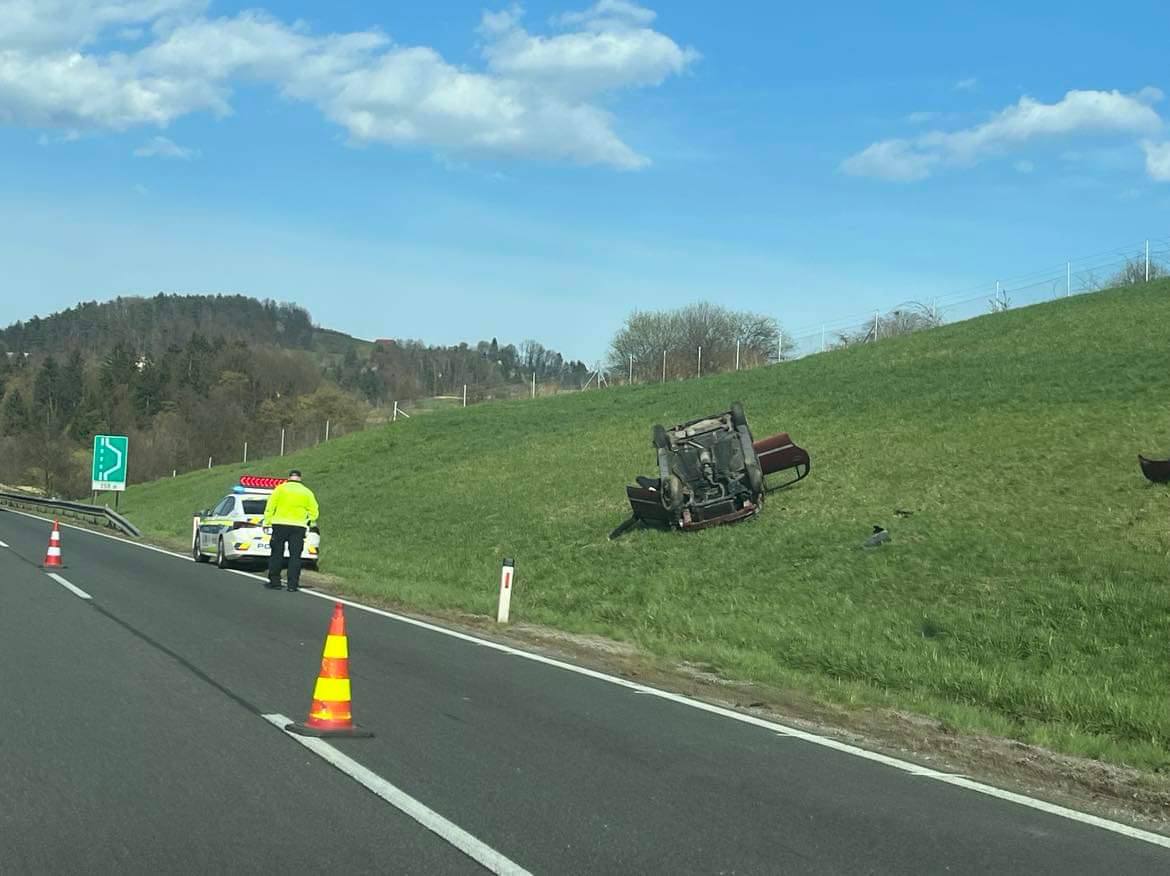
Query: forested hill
193, 379
151, 325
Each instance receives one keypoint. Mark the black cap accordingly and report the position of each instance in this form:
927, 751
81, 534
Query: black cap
295, 473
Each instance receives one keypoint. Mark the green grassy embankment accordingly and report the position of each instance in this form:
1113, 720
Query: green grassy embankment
1026, 596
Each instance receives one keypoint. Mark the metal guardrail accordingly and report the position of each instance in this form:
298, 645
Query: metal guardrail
97, 514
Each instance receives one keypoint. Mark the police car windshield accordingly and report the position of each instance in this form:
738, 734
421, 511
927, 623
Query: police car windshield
254, 506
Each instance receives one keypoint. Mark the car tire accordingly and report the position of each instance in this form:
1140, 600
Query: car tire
738, 418
751, 462
221, 560
196, 554
658, 436
672, 494
313, 565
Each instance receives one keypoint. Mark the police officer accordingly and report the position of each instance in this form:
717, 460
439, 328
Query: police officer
291, 508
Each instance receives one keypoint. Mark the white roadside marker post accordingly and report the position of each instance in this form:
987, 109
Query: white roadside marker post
507, 572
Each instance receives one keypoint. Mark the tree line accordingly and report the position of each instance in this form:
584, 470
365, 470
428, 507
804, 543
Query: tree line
187, 383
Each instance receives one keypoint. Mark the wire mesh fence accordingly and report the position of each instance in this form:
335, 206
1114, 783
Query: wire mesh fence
1125, 265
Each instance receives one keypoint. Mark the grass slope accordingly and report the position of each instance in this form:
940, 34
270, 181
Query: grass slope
1027, 595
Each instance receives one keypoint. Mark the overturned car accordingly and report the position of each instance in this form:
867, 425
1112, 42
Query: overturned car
712, 471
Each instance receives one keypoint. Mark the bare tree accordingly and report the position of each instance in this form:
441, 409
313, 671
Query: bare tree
647, 335
1134, 272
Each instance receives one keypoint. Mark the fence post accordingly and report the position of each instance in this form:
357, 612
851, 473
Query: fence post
1147, 261
327, 423
465, 395
631, 369
174, 473
737, 355
282, 440
245, 453
395, 412
209, 463
875, 326
780, 348
700, 373
1068, 281
534, 384
664, 366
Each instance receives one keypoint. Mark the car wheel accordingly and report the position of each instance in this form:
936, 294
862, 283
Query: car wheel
737, 415
313, 565
672, 493
196, 554
751, 462
658, 436
221, 560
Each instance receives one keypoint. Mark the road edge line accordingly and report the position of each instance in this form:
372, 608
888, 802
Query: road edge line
446, 830
905, 766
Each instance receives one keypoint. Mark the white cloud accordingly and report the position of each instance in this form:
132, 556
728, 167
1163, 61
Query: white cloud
69, 24
1078, 112
609, 12
968, 84
164, 147
612, 49
894, 160
1157, 160
534, 100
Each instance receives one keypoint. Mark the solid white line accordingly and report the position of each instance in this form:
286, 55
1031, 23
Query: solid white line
76, 591
126, 541
399, 799
824, 741
780, 729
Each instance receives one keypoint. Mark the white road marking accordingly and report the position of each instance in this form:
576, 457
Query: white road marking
494, 861
780, 729
76, 591
3, 545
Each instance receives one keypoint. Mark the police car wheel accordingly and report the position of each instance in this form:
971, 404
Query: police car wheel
197, 554
221, 560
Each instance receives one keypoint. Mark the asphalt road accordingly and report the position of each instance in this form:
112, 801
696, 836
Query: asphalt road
132, 741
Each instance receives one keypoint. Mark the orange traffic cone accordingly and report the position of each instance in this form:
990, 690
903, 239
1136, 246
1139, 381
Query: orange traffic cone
53, 555
330, 713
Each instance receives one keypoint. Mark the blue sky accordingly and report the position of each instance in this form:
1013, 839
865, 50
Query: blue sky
455, 171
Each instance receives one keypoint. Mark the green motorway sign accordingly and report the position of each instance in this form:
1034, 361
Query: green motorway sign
110, 453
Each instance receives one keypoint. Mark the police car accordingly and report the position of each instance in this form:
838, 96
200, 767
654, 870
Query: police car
233, 530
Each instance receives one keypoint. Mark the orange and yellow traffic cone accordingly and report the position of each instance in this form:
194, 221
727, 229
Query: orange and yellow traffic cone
53, 554
330, 713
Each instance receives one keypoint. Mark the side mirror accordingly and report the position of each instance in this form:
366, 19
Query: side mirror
201, 513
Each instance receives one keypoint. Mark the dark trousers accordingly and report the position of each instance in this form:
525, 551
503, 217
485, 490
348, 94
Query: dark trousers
294, 537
